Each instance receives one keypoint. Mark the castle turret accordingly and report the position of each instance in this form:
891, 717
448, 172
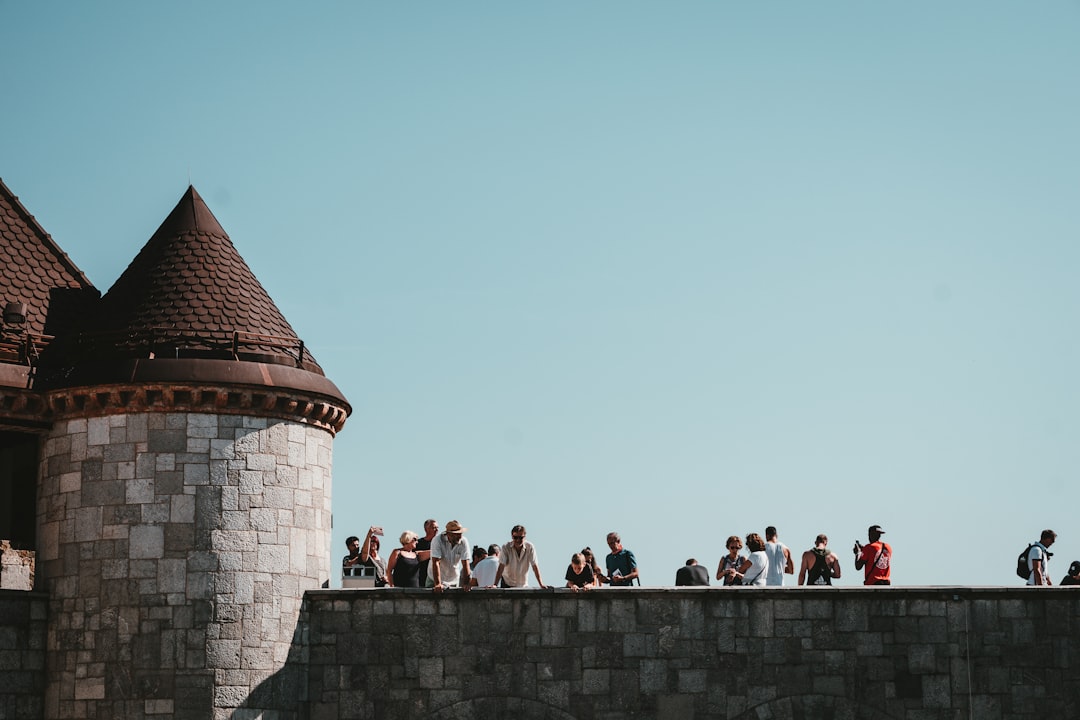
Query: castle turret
184, 498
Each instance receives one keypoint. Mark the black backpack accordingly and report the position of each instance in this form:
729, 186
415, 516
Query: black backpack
1022, 569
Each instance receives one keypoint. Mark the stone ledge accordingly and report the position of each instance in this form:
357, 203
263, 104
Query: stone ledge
937, 592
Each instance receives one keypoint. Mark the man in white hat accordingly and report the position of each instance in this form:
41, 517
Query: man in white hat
449, 550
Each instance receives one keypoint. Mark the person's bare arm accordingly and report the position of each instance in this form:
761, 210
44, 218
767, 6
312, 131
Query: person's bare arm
536, 571
834, 563
436, 574
466, 573
804, 567
629, 577
390, 567
789, 564
365, 552
1037, 568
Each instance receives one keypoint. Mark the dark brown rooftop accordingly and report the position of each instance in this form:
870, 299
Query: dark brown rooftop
33, 269
189, 291
187, 327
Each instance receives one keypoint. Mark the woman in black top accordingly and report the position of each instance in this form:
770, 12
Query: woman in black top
403, 567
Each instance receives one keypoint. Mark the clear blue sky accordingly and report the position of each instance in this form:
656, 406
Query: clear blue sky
680, 270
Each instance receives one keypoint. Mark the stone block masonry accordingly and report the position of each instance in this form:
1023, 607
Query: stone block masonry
851, 653
16, 568
678, 654
22, 654
175, 549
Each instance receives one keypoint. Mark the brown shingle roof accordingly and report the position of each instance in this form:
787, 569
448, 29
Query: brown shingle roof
189, 288
35, 271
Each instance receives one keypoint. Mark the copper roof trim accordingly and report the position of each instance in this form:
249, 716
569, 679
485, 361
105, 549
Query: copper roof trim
286, 404
224, 387
22, 409
200, 385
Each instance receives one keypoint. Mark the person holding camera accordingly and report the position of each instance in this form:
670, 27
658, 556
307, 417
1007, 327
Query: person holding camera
369, 555
875, 559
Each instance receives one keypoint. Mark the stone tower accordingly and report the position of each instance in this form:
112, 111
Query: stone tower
183, 500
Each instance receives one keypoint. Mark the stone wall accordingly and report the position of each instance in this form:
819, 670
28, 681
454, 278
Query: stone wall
16, 568
22, 655
176, 549
843, 654
908, 654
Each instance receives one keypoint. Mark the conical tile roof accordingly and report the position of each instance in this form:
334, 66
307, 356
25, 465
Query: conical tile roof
189, 291
36, 272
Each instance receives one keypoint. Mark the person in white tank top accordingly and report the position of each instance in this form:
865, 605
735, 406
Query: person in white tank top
780, 562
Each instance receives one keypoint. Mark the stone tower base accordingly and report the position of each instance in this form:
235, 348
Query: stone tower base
176, 549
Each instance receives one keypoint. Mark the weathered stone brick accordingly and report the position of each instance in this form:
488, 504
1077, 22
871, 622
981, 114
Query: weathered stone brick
146, 541
166, 441
97, 431
196, 473
119, 452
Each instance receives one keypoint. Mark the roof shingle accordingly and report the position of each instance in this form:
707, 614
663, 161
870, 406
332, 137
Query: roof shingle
36, 272
191, 284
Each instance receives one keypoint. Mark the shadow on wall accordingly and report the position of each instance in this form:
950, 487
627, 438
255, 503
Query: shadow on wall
283, 695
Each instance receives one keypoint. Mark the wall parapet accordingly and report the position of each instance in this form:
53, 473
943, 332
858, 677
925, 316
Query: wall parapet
899, 653
904, 653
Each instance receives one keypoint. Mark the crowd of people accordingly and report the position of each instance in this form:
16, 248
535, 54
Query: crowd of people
768, 560
445, 560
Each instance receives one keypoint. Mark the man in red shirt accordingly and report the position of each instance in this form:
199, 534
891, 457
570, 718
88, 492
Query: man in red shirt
875, 557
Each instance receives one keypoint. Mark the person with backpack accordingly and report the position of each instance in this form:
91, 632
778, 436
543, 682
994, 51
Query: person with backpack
819, 564
1038, 558
876, 558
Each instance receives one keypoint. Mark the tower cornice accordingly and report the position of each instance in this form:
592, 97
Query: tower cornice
182, 385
